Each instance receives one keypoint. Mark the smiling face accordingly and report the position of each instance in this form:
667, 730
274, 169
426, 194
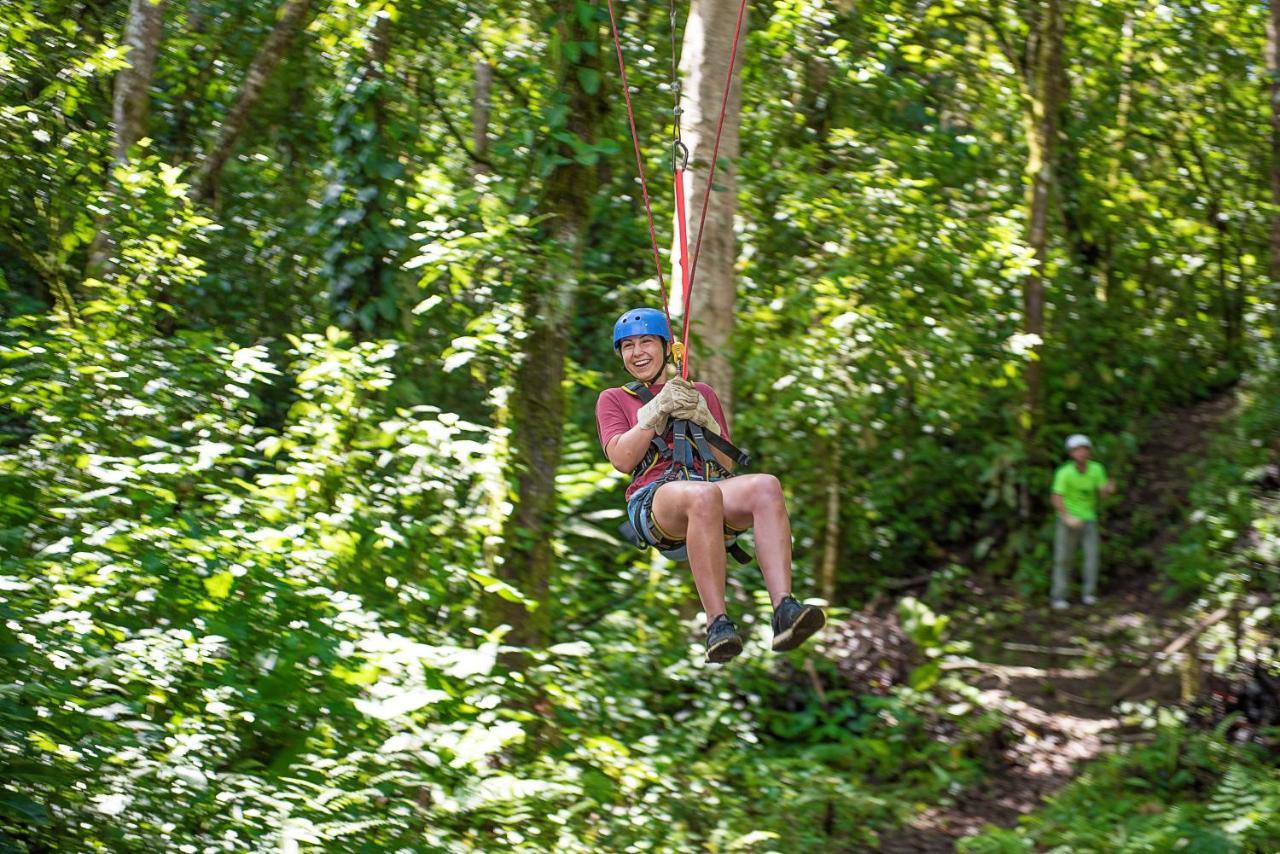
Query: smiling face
643, 356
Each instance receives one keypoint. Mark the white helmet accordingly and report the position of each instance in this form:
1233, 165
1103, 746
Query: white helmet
1078, 440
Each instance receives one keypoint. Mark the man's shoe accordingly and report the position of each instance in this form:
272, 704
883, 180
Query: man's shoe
794, 622
1061, 604
723, 641
1089, 600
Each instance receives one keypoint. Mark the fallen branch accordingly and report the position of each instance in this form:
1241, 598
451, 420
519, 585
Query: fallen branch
1174, 647
1046, 650
817, 684
904, 583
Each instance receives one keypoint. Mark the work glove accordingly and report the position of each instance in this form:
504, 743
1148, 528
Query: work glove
655, 414
699, 413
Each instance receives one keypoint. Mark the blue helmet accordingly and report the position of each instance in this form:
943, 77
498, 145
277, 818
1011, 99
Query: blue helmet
641, 321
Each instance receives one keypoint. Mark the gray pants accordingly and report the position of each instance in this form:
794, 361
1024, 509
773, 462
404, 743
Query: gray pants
1066, 542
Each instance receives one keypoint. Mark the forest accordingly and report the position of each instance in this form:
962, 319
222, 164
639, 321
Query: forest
308, 541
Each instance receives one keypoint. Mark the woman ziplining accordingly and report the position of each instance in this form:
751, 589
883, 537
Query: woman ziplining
684, 498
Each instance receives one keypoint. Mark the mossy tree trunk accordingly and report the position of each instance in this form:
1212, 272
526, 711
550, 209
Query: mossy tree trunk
538, 398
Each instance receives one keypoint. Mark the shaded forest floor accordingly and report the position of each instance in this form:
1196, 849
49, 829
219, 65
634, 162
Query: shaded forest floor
1059, 678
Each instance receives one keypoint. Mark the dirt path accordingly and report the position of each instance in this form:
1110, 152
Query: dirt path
1057, 675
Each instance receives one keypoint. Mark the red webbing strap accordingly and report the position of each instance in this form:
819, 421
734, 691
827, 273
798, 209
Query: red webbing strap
644, 185
715, 156
686, 281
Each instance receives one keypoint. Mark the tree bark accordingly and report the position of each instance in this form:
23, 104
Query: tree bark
1124, 102
831, 536
704, 65
1041, 97
208, 172
481, 106
376, 276
133, 84
538, 396
1273, 71
130, 104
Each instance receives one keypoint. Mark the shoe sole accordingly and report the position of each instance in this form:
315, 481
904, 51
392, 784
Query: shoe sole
725, 650
810, 620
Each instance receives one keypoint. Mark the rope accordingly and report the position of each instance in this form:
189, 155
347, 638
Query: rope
644, 184
688, 270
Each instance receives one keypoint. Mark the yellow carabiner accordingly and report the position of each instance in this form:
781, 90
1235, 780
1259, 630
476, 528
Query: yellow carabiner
677, 353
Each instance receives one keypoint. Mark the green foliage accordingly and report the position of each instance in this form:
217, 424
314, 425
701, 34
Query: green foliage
1234, 531
1183, 792
245, 564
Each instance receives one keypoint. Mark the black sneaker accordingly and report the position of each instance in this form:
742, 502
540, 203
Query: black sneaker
723, 641
794, 622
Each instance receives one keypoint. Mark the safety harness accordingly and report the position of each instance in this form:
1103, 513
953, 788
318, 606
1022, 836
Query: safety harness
691, 450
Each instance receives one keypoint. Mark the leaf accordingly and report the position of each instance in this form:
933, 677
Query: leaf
590, 80
219, 584
400, 705
925, 676
21, 808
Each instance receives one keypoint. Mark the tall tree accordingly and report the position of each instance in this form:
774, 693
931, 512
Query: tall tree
1273, 73
366, 173
204, 185
576, 110
1042, 86
132, 96
704, 67
131, 101
481, 107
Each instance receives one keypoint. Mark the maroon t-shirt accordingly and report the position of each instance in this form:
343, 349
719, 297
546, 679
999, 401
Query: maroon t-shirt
617, 410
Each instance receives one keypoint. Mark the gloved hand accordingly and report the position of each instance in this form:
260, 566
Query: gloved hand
655, 414
699, 413
685, 393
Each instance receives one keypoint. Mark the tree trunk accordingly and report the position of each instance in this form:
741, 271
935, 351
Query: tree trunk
377, 275
130, 103
208, 172
1124, 102
133, 83
704, 65
831, 537
481, 106
1041, 106
359, 263
538, 397
1079, 218
1273, 70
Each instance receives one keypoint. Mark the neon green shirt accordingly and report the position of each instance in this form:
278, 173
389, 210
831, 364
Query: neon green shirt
1079, 490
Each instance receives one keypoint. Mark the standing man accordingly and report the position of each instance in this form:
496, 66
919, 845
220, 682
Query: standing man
670, 504
1077, 486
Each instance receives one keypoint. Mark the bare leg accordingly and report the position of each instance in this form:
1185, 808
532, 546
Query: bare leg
694, 511
756, 501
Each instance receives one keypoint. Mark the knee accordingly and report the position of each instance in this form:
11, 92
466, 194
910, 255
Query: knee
706, 503
768, 491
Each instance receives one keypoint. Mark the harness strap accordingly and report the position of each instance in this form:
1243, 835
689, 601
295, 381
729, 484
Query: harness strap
733, 452
689, 443
682, 451
681, 446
